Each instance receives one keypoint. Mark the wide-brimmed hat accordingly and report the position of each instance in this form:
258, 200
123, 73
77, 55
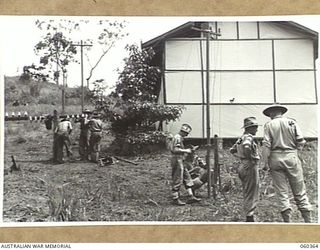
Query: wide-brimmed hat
275, 106
250, 122
186, 128
87, 111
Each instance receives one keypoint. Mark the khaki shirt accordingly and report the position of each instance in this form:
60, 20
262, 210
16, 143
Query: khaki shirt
63, 127
95, 125
246, 140
282, 133
176, 144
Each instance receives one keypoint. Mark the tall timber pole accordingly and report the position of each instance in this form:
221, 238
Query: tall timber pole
208, 33
81, 45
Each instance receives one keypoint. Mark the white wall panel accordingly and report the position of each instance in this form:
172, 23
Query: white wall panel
272, 30
227, 120
228, 30
241, 55
293, 54
224, 55
243, 87
248, 30
295, 87
183, 87
183, 55
191, 115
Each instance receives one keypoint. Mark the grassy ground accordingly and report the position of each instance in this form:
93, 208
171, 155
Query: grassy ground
81, 191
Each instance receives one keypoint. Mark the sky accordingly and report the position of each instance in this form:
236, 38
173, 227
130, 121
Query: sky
20, 34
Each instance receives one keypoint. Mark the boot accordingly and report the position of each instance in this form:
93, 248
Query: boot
286, 215
193, 199
306, 216
178, 202
250, 219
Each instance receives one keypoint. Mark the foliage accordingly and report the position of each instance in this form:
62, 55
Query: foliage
33, 72
55, 50
132, 107
58, 47
139, 79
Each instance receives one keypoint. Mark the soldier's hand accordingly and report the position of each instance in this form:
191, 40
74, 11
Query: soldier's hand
265, 166
188, 150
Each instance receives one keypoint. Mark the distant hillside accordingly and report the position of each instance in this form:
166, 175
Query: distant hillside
31, 92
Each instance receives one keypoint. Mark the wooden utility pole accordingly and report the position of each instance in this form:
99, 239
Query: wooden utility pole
208, 33
81, 54
64, 79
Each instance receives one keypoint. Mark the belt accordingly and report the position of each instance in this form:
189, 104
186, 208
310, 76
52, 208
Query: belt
280, 150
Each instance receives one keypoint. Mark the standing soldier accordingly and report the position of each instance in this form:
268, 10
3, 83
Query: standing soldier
55, 121
180, 174
282, 138
246, 149
63, 132
84, 135
95, 127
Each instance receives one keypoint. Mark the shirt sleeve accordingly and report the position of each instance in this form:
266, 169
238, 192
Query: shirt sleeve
247, 140
70, 126
299, 135
177, 142
266, 136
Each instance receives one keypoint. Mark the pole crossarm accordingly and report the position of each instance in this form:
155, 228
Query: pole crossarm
81, 45
207, 31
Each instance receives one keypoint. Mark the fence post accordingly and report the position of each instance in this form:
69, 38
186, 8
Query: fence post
218, 147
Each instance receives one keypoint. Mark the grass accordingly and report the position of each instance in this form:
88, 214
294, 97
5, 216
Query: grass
80, 191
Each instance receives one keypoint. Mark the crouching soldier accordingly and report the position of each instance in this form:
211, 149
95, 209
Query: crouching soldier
95, 127
197, 169
180, 174
246, 149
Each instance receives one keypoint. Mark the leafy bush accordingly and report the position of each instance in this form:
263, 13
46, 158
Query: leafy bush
132, 108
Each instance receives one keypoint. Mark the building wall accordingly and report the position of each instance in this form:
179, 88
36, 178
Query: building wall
252, 65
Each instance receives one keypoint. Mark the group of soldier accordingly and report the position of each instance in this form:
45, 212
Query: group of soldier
89, 139
281, 142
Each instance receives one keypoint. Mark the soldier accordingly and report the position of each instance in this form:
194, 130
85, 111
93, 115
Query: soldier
55, 121
180, 174
63, 132
282, 139
95, 127
197, 168
246, 149
84, 135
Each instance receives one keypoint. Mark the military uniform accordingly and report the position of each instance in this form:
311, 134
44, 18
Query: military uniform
248, 171
180, 175
84, 135
63, 131
95, 127
282, 136
55, 121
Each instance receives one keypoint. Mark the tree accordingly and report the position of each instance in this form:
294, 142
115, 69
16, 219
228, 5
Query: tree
132, 107
138, 80
57, 49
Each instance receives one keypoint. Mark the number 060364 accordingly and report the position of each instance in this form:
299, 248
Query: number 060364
310, 246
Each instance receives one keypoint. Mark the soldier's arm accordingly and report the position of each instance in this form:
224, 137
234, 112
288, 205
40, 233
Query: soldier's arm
247, 142
300, 141
266, 148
